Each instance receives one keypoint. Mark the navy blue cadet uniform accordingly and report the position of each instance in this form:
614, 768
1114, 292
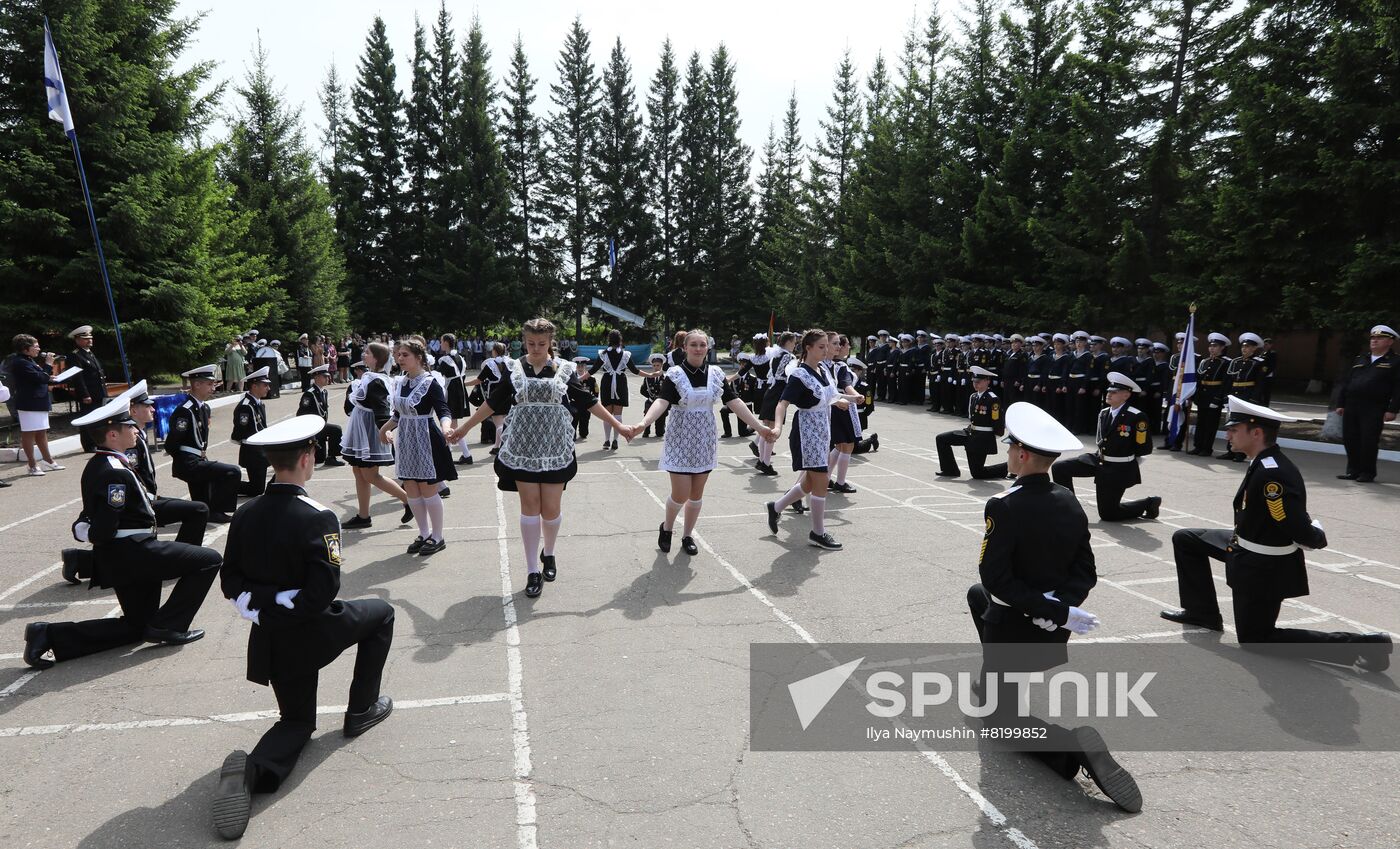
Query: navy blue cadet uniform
1370, 390
1122, 438
985, 424
213, 484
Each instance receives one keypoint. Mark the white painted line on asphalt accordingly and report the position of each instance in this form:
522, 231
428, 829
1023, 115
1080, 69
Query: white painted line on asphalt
1133, 638
526, 824
990, 811
250, 716
30, 518
1393, 586
1168, 579
19, 682
28, 605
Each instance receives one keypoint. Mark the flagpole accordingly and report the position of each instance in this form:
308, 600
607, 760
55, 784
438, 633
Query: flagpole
101, 258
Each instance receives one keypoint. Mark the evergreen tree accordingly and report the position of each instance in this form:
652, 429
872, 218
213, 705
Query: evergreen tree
778, 255
334, 151
619, 171
181, 273
573, 129
272, 173
663, 156
727, 240
530, 242
693, 140
832, 166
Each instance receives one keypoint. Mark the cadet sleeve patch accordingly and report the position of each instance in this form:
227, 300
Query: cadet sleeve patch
182, 423
996, 414
116, 495
332, 548
243, 418
1273, 497
1142, 433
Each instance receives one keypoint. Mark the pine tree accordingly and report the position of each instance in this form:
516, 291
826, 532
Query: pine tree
530, 242
272, 173
424, 145
334, 150
727, 239
693, 178
778, 254
619, 171
573, 129
832, 166
663, 157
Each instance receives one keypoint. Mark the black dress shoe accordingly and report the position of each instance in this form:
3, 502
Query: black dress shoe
445, 492
773, 515
76, 562
168, 637
837, 486
417, 545
1111, 778
766, 468
549, 570
534, 585
234, 802
1374, 657
407, 515
663, 538
356, 522
1212, 623
689, 547
798, 507
431, 546
219, 518
874, 442
358, 723
1365, 478
943, 474
1225, 456
464, 461
1154, 507
824, 540
753, 448
4, 484
36, 643
1349, 476
332, 462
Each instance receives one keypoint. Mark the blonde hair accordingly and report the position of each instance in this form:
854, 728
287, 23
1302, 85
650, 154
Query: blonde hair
696, 332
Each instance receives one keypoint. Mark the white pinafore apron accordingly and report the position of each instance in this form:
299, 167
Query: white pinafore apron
814, 423
692, 443
539, 429
361, 440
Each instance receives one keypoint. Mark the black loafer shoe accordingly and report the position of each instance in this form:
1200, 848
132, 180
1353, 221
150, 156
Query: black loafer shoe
219, 518
825, 540
464, 461
689, 547
234, 801
844, 488
1375, 655
356, 522
417, 545
358, 723
663, 538
874, 442
1365, 478
76, 563
407, 515
445, 492
549, 570
1112, 779
431, 546
798, 507
753, 448
1154, 507
167, 637
1349, 476
534, 585
773, 515
942, 474
1211, 623
36, 643
332, 462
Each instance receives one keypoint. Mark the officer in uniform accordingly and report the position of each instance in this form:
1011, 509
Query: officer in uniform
1169, 392
1263, 553
1212, 390
651, 390
934, 373
947, 365
985, 424
918, 368
1246, 374
1368, 398
1078, 383
1057, 379
1036, 366
1121, 360
215, 485
904, 366
1122, 438
1013, 369
1098, 375
314, 402
1266, 384
879, 360
91, 385
282, 573
127, 556
1036, 569
1162, 383
1144, 374
249, 417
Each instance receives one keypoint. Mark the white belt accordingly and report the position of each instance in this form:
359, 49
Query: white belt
190, 449
131, 532
1273, 550
1108, 459
983, 429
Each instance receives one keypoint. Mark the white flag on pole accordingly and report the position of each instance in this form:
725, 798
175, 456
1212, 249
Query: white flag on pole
53, 85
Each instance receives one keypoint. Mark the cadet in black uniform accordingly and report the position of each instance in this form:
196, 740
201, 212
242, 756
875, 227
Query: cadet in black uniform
1036, 570
783, 360
590, 383
1246, 376
1266, 385
1368, 398
1014, 371
127, 556
249, 417
1081, 411
314, 402
1263, 554
869, 443
91, 385
879, 359
282, 573
651, 390
1036, 366
1122, 438
934, 373
986, 423
1057, 380
215, 485
1212, 390
1144, 373
1161, 390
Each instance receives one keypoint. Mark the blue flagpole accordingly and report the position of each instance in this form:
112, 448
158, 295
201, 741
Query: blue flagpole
101, 258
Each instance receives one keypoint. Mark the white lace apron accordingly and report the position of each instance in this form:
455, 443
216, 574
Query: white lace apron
814, 423
361, 439
852, 408
615, 376
539, 429
692, 444
414, 457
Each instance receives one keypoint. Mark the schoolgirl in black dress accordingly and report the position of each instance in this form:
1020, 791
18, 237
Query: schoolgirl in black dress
422, 458
845, 424
492, 372
611, 365
367, 405
812, 391
690, 452
453, 368
536, 457
778, 368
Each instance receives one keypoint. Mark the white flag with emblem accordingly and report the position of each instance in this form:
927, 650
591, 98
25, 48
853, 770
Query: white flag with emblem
53, 85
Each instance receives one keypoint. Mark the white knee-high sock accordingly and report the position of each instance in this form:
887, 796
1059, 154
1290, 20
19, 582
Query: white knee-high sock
530, 537
607, 432
842, 464
434, 511
466, 449
793, 496
765, 452
420, 515
831, 459
673, 509
692, 515
818, 514
551, 533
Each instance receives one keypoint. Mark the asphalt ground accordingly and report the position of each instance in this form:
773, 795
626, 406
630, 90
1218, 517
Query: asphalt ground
613, 710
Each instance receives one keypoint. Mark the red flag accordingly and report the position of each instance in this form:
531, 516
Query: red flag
770, 324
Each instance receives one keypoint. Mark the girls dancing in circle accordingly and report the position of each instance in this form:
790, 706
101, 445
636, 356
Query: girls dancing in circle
690, 451
536, 457
845, 424
778, 369
367, 405
423, 459
613, 363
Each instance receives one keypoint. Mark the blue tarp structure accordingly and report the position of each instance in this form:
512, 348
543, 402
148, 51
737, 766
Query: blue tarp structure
165, 405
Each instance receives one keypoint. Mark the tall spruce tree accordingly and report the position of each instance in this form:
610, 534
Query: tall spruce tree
530, 241
573, 129
273, 176
663, 157
778, 254
694, 141
727, 240
619, 171
830, 171
334, 149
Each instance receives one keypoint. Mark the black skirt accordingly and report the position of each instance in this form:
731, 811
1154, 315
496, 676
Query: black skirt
507, 478
842, 428
769, 410
609, 384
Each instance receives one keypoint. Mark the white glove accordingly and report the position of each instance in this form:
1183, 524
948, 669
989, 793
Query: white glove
241, 605
1051, 595
1081, 621
80, 531
1046, 624
285, 597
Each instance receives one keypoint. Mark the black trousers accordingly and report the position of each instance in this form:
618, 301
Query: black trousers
252, 458
1256, 616
977, 454
328, 443
724, 414
882, 381
276, 754
215, 485
1108, 486
1362, 422
1083, 411
192, 517
659, 424
194, 568
1208, 415
1065, 758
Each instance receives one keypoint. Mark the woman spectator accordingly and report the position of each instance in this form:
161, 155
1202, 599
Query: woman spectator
235, 365
333, 356
343, 359
32, 374
304, 358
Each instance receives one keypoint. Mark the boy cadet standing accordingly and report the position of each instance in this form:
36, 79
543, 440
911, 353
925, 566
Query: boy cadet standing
249, 417
215, 485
